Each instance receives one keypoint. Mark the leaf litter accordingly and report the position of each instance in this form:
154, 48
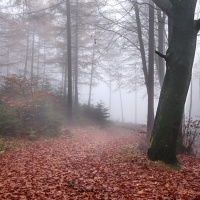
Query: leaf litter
94, 164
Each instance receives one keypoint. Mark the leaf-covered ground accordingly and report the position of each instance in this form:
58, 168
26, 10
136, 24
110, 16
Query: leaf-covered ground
94, 164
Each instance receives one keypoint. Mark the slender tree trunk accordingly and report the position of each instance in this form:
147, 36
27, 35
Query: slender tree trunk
44, 65
69, 62
38, 59
150, 85
26, 58
199, 86
135, 98
161, 46
8, 61
135, 106
143, 57
91, 83
121, 103
65, 77
91, 73
76, 54
32, 57
110, 91
190, 108
179, 61
141, 43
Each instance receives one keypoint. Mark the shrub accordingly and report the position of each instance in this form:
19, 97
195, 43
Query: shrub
9, 123
97, 113
191, 130
27, 108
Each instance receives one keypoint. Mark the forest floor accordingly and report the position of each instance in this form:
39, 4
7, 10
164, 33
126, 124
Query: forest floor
94, 163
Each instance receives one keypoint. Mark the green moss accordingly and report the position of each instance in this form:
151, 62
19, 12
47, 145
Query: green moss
161, 118
151, 141
175, 166
169, 52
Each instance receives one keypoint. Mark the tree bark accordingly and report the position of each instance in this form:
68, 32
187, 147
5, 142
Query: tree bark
92, 68
148, 73
69, 63
121, 103
150, 83
179, 61
110, 91
76, 55
190, 108
135, 97
32, 57
161, 46
8, 61
91, 80
44, 65
38, 59
26, 57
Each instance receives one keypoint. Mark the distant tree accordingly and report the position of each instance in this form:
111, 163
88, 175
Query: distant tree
150, 83
92, 67
69, 62
148, 67
76, 63
161, 45
98, 113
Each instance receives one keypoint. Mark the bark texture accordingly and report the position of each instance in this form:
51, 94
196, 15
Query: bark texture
150, 81
76, 54
69, 62
161, 46
179, 61
147, 70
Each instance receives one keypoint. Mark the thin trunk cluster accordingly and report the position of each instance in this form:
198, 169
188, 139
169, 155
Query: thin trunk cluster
148, 69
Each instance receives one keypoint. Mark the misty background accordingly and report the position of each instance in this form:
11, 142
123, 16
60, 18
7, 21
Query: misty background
34, 43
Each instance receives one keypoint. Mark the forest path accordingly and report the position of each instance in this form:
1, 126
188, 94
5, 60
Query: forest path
93, 163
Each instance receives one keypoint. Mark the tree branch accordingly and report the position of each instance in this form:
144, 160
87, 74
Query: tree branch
165, 6
197, 25
161, 55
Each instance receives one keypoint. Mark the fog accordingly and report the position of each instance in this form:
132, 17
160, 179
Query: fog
130, 107
101, 93
79, 90
137, 113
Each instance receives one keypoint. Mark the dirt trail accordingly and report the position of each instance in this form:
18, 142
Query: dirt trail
46, 169
93, 164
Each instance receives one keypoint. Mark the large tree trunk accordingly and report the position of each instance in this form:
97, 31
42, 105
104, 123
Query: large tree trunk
179, 61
